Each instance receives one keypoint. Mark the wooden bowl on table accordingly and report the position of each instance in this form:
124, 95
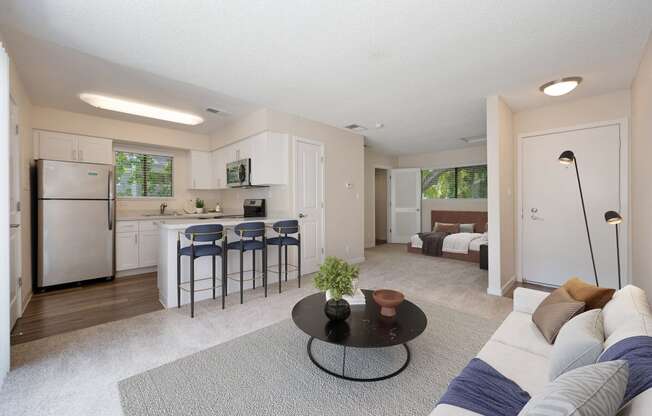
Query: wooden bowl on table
388, 300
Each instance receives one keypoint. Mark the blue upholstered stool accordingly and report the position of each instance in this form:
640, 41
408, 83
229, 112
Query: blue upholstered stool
208, 234
285, 230
249, 232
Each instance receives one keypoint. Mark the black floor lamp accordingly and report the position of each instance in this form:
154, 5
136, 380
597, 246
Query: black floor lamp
567, 158
614, 218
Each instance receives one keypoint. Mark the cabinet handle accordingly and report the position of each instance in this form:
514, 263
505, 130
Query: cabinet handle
136, 238
74, 155
81, 155
194, 183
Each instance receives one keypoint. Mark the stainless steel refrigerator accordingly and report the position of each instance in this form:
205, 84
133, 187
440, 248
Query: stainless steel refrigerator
75, 220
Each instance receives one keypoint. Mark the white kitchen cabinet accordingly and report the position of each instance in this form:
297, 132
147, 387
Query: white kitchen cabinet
126, 251
219, 168
148, 248
70, 147
269, 158
200, 169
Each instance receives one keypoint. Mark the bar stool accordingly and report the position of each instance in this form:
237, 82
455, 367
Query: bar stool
283, 228
208, 233
248, 233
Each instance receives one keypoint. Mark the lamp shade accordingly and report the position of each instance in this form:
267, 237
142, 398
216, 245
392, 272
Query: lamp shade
566, 157
612, 217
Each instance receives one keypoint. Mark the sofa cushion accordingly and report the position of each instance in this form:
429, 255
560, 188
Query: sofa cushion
524, 368
627, 314
595, 390
555, 310
593, 296
519, 331
579, 343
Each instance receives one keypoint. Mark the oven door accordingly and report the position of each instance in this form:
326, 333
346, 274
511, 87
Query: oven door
237, 173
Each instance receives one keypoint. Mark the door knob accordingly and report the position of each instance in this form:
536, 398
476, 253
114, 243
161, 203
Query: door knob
14, 225
534, 210
302, 215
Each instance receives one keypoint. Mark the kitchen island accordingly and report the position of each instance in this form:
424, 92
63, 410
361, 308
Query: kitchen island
172, 229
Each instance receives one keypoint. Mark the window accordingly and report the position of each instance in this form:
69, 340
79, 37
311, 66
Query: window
463, 182
139, 175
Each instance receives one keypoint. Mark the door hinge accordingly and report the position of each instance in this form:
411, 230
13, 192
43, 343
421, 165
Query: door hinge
18, 206
20, 281
322, 250
17, 130
321, 159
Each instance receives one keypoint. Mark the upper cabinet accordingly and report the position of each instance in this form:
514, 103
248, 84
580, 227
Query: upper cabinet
200, 166
70, 147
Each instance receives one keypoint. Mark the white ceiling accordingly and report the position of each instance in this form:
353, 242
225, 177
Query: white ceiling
421, 67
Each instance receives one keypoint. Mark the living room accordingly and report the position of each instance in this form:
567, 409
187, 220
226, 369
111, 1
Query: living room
467, 185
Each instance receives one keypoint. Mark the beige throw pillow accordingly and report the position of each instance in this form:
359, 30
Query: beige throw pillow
555, 310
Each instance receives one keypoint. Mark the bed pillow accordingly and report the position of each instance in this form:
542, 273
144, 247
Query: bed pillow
555, 310
596, 390
467, 228
580, 342
594, 297
447, 227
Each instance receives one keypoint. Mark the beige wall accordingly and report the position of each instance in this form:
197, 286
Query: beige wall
475, 155
344, 163
500, 165
19, 95
381, 204
373, 160
641, 170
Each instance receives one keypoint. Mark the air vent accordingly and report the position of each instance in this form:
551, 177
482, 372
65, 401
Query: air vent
476, 139
216, 111
355, 127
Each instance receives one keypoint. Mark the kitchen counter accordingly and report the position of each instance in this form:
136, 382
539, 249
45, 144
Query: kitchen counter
143, 216
170, 233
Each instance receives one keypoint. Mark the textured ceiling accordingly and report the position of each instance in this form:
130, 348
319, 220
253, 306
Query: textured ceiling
422, 68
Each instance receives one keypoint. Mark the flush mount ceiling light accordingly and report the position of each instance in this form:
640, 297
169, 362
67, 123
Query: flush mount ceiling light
560, 86
140, 109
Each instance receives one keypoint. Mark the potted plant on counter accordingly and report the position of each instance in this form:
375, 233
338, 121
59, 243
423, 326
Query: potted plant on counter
199, 206
335, 277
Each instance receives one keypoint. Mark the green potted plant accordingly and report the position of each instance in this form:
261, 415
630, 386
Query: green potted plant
199, 206
335, 277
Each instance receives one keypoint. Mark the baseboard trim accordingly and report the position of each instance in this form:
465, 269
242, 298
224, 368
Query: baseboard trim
132, 272
357, 260
26, 302
502, 290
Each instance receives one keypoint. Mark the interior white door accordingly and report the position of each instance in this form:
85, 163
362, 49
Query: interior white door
555, 244
405, 204
15, 262
309, 174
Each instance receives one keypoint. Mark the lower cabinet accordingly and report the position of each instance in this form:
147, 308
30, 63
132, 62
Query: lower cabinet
136, 245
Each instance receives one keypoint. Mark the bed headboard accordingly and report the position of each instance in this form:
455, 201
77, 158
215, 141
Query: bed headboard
461, 217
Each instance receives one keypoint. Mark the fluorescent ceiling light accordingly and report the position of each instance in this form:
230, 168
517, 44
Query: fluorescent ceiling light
560, 86
140, 109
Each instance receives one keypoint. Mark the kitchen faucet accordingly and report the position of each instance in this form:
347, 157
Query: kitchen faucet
162, 208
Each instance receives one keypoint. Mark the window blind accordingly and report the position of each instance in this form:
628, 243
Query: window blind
462, 182
143, 175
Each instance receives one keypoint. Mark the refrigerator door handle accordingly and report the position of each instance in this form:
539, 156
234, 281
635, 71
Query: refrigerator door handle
110, 201
110, 184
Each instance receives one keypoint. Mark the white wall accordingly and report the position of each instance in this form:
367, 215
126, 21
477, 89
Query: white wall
641, 172
373, 160
500, 177
468, 156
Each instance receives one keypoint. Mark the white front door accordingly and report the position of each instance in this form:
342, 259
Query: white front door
555, 245
405, 205
309, 202
15, 263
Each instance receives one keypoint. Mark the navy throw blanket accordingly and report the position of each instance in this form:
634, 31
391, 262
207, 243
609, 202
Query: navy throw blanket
637, 351
481, 389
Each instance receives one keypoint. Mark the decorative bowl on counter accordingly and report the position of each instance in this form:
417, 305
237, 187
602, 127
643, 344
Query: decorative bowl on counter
388, 300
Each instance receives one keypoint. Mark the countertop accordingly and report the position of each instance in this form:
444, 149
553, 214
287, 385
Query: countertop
181, 224
145, 216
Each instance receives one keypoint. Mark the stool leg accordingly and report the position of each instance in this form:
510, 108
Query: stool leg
265, 266
223, 277
299, 261
279, 268
225, 268
241, 276
178, 279
253, 267
213, 277
192, 286
286, 263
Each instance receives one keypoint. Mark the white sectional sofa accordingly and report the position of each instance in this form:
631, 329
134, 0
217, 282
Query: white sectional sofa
519, 351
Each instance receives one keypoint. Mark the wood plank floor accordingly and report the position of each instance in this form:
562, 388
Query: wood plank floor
86, 305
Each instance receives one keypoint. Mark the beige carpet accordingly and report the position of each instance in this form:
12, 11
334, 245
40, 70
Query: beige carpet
77, 373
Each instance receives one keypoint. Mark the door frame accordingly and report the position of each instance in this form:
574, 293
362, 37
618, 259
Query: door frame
295, 140
390, 236
625, 209
388, 169
14, 117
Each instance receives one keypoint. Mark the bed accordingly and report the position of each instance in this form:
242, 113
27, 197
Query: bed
458, 246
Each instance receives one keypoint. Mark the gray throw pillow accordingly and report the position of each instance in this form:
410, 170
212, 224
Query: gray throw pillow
555, 310
467, 228
580, 342
592, 390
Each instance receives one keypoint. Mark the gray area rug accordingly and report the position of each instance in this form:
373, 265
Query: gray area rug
268, 372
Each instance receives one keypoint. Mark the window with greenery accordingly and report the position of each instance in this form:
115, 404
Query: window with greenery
462, 182
139, 175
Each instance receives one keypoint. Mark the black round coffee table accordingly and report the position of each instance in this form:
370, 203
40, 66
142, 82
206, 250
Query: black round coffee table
364, 328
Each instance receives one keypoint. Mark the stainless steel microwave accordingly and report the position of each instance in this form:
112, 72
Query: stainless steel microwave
237, 173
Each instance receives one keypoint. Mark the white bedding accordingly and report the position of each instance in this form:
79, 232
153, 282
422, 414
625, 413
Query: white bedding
459, 243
